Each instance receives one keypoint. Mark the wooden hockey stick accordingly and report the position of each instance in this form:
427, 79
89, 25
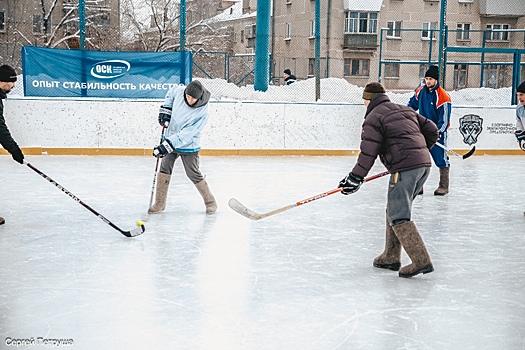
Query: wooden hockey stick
465, 156
250, 214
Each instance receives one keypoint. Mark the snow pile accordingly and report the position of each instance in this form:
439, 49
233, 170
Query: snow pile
332, 90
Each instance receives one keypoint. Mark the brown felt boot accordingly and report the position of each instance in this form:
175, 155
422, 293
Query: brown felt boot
163, 182
443, 182
391, 256
2, 221
209, 200
411, 240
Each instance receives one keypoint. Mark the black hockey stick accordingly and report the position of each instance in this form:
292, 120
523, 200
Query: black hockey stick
465, 156
250, 214
135, 232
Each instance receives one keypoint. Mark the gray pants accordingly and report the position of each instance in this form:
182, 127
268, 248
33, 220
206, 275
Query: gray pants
403, 188
190, 162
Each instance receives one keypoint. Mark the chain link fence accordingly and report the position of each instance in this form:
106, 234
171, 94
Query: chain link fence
398, 58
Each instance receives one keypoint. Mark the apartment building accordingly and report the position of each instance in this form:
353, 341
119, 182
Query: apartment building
403, 34
55, 24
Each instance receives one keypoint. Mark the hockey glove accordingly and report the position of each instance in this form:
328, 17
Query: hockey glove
351, 183
163, 149
18, 155
520, 136
164, 115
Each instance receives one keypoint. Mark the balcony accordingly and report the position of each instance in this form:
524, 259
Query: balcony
511, 8
359, 41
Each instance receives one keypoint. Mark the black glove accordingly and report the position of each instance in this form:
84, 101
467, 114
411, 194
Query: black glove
18, 155
163, 149
351, 183
164, 115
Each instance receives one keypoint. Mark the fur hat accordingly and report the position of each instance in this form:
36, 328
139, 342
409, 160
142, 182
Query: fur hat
432, 72
521, 88
7, 74
287, 71
194, 89
372, 90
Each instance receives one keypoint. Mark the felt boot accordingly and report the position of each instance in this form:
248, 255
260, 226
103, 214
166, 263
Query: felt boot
209, 200
161, 193
2, 221
443, 182
411, 240
391, 256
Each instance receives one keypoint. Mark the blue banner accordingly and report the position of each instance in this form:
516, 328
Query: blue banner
107, 74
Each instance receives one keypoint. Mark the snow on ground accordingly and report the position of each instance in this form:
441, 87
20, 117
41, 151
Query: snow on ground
332, 90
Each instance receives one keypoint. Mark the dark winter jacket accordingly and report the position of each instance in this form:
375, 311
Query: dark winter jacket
291, 79
397, 134
5, 136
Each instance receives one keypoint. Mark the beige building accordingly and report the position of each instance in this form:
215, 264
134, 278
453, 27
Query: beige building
403, 34
31, 23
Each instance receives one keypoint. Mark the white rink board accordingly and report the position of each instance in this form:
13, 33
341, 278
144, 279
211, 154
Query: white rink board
66, 123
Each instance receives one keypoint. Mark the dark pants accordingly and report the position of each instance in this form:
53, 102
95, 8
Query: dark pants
403, 187
190, 162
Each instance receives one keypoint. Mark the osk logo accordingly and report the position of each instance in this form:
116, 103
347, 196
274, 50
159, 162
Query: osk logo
110, 69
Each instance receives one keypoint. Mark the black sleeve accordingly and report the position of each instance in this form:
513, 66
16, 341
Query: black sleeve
6, 140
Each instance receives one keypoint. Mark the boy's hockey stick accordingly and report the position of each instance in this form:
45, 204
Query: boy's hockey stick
145, 217
465, 156
135, 232
250, 214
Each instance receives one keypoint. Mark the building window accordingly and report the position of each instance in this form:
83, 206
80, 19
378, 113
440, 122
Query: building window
312, 28
494, 76
463, 32
2, 22
497, 32
361, 22
460, 76
288, 31
394, 29
429, 30
391, 70
353, 67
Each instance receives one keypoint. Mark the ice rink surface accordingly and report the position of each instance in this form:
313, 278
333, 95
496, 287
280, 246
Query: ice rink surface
301, 279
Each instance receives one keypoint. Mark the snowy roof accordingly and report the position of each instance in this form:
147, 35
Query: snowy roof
231, 13
363, 5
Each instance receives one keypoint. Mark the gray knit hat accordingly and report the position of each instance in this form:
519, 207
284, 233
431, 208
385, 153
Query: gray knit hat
7, 74
194, 89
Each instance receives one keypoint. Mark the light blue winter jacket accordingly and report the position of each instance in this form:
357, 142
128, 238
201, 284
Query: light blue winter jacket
187, 123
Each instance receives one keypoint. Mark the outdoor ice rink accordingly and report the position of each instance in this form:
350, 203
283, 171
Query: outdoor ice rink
301, 279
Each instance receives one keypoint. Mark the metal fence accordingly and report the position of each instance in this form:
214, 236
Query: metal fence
493, 59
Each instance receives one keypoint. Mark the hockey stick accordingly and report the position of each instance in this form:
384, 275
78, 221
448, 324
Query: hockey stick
465, 156
145, 217
135, 232
250, 214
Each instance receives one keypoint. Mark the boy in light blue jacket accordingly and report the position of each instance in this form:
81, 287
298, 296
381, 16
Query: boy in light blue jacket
185, 108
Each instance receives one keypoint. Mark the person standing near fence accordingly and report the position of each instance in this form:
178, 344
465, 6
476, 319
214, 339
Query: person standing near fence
289, 78
433, 102
186, 111
7, 83
401, 138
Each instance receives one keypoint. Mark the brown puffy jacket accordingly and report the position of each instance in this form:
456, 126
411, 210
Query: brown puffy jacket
397, 134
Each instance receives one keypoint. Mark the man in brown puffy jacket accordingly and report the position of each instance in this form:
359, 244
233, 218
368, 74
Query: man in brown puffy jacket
401, 138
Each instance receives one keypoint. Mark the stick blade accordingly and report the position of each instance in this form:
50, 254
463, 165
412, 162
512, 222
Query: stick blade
469, 153
239, 208
135, 232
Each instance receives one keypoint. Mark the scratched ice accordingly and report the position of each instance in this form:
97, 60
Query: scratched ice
300, 279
